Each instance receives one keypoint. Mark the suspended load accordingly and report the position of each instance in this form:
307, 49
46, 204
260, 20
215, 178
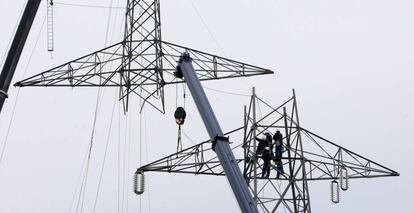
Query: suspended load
180, 115
139, 182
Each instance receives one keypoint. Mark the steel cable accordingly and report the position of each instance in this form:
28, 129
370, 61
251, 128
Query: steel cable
105, 154
11, 37
18, 92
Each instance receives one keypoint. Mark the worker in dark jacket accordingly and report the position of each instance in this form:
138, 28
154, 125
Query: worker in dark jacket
278, 137
265, 149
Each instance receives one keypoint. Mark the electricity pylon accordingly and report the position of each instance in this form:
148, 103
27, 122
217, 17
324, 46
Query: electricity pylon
307, 157
141, 64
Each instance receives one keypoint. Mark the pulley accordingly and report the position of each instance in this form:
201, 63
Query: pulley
139, 182
180, 115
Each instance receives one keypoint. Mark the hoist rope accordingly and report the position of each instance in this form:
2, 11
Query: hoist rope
184, 94
179, 143
176, 96
18, 92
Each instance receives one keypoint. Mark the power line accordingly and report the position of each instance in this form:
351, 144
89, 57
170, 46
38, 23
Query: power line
119, 156
105, 153
207, 28
18, 91
128, 141
228, 93
212, 36
146, 159
11, 37
88, 5
78, 181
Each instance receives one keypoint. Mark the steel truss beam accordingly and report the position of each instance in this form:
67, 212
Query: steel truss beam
141, 64
308, 157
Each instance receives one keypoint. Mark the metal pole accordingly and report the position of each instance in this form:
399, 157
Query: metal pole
254, 146
306, 197
292, 177
16, 48
222, 147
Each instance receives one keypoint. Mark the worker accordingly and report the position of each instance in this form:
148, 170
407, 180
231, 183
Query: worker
264, 148
278, 138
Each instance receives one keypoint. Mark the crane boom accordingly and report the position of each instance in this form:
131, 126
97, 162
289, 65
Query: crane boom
16, 48
220, 144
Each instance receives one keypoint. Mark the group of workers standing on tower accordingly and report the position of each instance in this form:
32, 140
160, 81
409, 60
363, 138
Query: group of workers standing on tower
265, 150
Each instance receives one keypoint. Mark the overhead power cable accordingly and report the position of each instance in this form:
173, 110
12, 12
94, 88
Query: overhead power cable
212, 36
78, 182
11, 37
105, 153
18, 91
88, 5
119, 159
128, 141
228, 93
189, 138
207, 28
146, 159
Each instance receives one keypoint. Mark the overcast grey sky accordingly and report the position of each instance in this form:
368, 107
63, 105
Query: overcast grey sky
351, 63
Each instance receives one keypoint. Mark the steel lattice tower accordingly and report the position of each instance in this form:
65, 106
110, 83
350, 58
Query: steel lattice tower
143, 64
308, 157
